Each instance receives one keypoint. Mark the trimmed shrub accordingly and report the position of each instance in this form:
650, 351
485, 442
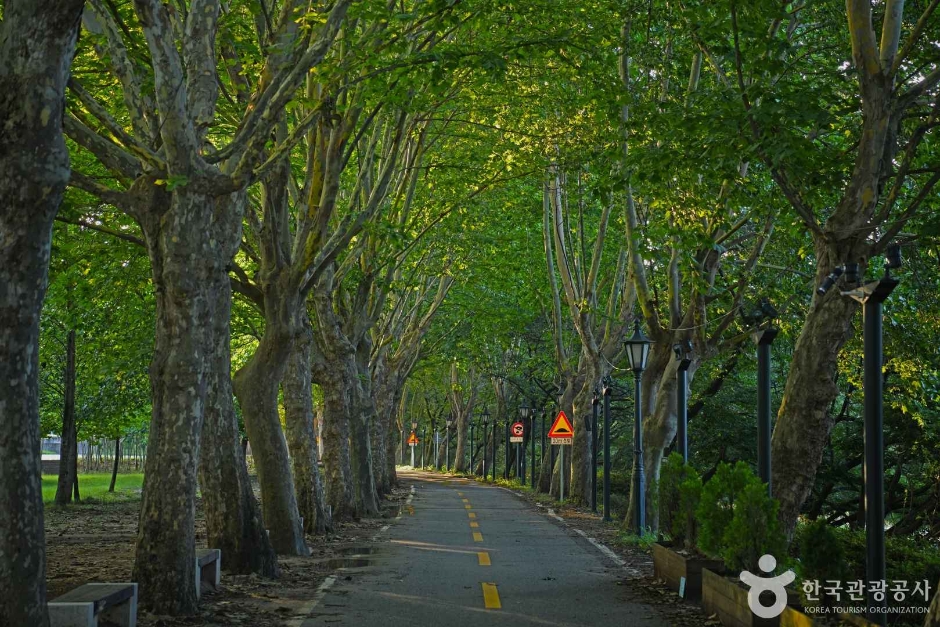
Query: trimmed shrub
754, 529
716, 509
678, 496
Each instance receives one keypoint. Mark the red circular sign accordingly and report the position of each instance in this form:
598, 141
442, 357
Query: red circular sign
518, 429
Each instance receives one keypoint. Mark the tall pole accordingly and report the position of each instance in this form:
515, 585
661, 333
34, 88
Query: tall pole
639, 475
506, 464
412, 446
532, 449
484, 451
402, 458
764, 339
682, 408
594, 408
447, 446
471, 445
437, 444
607, 390
873, 296
424, 433
542, 452
493, 465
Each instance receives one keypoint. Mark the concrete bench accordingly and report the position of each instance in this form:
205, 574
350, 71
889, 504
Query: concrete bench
83, 606
208, 570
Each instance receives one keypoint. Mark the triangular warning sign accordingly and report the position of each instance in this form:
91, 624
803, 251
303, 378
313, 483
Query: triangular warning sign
561, 428
413, 439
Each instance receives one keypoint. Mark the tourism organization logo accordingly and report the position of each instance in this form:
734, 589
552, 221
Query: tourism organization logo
854, 591
776, 585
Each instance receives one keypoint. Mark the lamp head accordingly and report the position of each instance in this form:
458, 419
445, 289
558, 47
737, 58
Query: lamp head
486, 416
830, 280
893, 259
638, 348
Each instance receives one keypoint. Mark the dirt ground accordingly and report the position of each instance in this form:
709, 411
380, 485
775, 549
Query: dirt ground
94, 542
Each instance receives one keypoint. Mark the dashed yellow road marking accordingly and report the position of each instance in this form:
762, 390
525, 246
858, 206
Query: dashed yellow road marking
477, 536
491, 596
467, 507
466, 500
460, 494
484, 559
471, 514
474, 525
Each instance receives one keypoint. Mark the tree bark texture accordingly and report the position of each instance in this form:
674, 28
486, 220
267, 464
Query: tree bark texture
301, 437
68, 452
185, 264
233, 515
37, 43
117, 460
257, 384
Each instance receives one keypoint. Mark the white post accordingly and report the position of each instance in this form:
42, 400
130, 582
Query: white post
561, 475
412, 455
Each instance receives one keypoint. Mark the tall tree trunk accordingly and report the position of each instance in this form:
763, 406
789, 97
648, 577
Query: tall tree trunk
233, 516
117, 459
803, 420
579, 453
301, 437
256, 385
183, 262
337, 462
37, 42
361, 443
461, 454
68, 452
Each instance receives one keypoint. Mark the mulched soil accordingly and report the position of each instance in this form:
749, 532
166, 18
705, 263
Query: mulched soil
94, 542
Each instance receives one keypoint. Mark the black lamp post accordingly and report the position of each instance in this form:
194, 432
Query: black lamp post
471, 444
684, 357
606, 394
424, 447
506, 444
594, 407
542, 452
493, 465
638, 351
532, 446
486, 420
520, 448
872, 296
764, 338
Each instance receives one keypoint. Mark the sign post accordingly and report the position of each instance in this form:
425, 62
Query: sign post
562, 434
517, 436
412, 442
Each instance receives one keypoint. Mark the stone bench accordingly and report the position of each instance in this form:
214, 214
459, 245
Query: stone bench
83, 606
208, 570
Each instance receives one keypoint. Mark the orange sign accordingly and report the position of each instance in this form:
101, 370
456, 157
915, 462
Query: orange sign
413, 439
561, 428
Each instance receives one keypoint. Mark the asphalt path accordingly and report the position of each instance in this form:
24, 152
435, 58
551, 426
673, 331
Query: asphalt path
465, 554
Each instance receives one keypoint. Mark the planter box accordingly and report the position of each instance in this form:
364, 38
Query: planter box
793, 617
728, 600
674, 567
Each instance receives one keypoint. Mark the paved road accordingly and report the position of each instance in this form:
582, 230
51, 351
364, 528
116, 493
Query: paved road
467, 554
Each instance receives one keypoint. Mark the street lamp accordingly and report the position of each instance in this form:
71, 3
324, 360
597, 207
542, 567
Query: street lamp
493, 460
472, 424
872, 296
684, 356
638, 351
532, 445
486, 421
520, 447
608, 385
594, 407
764, 338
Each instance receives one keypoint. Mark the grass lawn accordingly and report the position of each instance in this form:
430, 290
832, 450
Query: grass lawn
94, 487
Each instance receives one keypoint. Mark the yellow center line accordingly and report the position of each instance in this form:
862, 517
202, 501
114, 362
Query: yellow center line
466, 500
491, 596
477, 536
484, 559
460, 494
474, 525
471, 514
467, 507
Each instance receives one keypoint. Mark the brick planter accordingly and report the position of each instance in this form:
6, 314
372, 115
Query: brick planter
673, 568
727, 599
